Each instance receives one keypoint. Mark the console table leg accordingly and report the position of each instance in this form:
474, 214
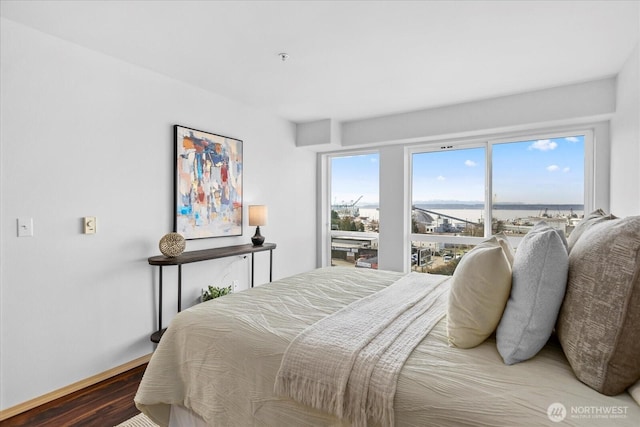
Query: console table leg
252, 269
179, 288
160, 301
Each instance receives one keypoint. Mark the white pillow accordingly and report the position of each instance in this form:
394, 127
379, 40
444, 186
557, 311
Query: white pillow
479, 291
506, 246
540, 272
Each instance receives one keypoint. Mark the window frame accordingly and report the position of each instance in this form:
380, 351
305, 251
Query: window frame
488, 144
437, 148
325, 233
597, 171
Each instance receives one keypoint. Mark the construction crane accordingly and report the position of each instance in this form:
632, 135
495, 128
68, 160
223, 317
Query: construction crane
347, 210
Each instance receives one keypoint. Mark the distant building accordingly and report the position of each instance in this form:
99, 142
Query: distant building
351, 248
423, 221
427, 224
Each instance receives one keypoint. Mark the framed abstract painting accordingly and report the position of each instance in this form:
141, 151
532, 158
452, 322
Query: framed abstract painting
208, 184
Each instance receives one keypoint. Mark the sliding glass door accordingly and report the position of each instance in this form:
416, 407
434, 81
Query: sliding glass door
354, 222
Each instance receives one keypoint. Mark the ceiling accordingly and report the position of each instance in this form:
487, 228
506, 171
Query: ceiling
351, 59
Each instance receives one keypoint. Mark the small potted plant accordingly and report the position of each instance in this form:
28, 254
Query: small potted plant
214, 292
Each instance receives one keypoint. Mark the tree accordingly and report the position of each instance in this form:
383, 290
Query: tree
497, 226
446, 269
474, 230
347, 224
335, 220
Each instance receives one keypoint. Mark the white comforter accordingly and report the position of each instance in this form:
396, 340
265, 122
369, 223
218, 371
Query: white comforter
219, 359
364, 347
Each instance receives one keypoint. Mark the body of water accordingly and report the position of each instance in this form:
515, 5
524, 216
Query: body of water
477, 214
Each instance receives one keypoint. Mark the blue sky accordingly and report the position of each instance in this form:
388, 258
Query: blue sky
534, 171
540, 171
355, 176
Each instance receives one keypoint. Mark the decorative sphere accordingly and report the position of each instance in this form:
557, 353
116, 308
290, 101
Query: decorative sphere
172, 244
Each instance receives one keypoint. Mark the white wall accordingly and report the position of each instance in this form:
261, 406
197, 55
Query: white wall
394, 214
83, 134
588, 101
625, 141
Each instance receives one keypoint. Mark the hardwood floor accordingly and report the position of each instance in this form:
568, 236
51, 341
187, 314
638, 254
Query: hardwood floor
105, 404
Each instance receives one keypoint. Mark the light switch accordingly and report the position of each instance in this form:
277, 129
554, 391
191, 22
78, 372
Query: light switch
89, 225
25, 227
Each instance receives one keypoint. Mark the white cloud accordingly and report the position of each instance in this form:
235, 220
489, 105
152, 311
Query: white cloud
553, 168
440, 178
543, 145
572, 139
567, 169
470, 163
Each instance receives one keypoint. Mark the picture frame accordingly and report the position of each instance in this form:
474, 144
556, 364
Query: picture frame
207, 184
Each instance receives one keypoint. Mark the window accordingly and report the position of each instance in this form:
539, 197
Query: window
354, 221
535, 180
451, 195
447, 200
461, 194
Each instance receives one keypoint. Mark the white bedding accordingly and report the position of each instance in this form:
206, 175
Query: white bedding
364, 347
219, 360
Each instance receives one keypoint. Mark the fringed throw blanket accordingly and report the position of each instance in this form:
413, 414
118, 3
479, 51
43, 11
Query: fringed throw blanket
348, 363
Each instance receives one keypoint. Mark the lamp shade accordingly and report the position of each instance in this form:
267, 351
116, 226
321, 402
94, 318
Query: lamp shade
258, 215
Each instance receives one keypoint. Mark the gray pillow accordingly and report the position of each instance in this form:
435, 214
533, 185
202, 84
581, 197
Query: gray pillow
540, 269
599, 323
586, 223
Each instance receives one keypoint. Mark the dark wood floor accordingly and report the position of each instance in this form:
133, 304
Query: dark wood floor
105, 404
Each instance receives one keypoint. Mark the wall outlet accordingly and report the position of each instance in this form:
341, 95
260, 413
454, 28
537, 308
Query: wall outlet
234, 285
89, 225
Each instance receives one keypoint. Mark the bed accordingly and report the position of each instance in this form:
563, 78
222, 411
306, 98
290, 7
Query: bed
217, 363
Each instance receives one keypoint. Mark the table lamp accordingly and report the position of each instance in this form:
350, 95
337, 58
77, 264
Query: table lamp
257, 217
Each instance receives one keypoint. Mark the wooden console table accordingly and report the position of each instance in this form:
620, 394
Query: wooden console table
203, 255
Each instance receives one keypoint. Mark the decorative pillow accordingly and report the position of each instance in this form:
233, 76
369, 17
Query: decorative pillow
539, 282
599, 323
506, 246
587, 222
479, 291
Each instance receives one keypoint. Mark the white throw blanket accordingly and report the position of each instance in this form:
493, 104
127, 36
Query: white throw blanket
348, 363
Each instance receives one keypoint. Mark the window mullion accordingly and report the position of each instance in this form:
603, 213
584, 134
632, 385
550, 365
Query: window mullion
488, 197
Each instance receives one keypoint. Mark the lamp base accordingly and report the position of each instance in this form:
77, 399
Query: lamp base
257, 238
